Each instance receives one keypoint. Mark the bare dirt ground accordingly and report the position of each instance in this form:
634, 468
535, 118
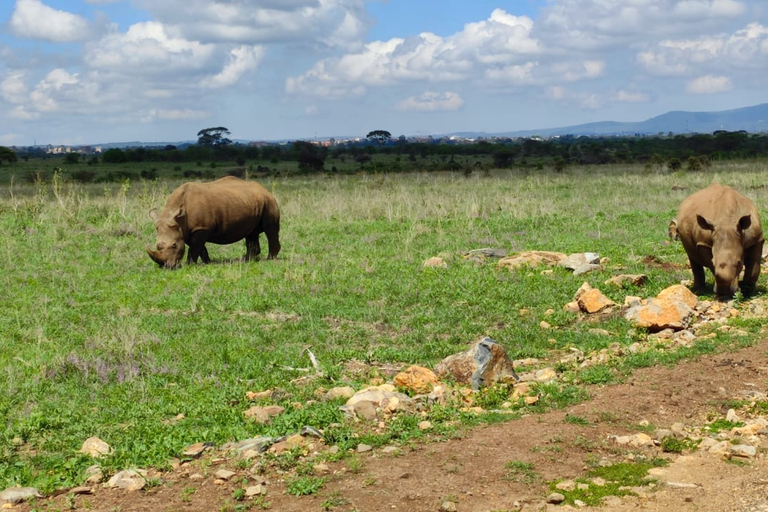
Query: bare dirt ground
470, 471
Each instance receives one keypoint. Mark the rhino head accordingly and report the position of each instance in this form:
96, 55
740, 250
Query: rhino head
169, 248
727, 252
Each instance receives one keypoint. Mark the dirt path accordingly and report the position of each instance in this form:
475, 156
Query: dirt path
471, 471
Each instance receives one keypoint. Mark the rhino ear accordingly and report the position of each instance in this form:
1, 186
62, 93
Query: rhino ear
745, 222
153, 214
704, 223
179, 213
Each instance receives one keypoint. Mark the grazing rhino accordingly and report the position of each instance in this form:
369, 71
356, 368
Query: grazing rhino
720, 229
222, 212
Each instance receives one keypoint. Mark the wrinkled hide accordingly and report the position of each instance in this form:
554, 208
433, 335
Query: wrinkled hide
720, 230
221, 212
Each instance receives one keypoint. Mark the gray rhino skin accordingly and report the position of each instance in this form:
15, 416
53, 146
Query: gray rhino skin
720, 230
221, 212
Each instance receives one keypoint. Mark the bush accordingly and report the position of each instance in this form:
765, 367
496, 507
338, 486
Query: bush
82, 176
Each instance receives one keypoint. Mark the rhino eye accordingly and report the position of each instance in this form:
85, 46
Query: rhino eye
160, 247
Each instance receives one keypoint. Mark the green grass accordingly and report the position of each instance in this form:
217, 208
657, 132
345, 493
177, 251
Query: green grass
95, 340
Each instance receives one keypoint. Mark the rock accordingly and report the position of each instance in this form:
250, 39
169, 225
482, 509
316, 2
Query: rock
255, 490
345, 392
365, 409
81, 489
259, 395
321, 469
390, 449
96, 448
257, 444
544, 325
555, 498
532, 259
224, 474
14, 495
417, 379
129, 480
635, 441
659, 314
481, 254
362, 448
545, 375
680, 293
722, 449
591, 300
368, 402
732, 416
483, 364
195, 450
752, 428
425, 425
447, 506
94, 475
743, 450
613, 501
623, 280
263, 414
575, 260
585, 268
566, 485
435, 262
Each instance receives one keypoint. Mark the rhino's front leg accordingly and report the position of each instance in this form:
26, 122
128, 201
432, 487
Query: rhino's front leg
699, 279
752, 257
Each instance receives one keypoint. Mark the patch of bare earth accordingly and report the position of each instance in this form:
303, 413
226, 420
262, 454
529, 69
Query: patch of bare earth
470, 471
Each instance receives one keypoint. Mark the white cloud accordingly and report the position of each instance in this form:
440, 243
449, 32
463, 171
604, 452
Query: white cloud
35, 20
173, 114
333, 23
631, 97
499, 46
709, 85
13, 89
241, 60
432, 102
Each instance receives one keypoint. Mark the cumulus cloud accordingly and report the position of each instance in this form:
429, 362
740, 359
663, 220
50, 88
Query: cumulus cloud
709, 85
432, 102
631, 97
241, 60
501, 43
176, 114
13, 88
35, 20
328, 22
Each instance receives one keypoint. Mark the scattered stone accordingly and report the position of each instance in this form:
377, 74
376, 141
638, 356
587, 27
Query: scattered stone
196, 476
732, 416
362, 448
574, 261
566, 485
623, 280
390, 449
483, 364
365, 409
128, 479
263, 414
321, 469
679, 293
345, 392
532, 259
635, 441
81, 489
417, 379
722, 449
259, 395
599, 481
744, 451
96, 448
425, 425
435, 262
613, 501
591, 300
94, 475
585, 268
579, 503
14, 495
555, 498
545, 375
448, 506
255, 490
254, 444
224, 474
195, 450
544, 325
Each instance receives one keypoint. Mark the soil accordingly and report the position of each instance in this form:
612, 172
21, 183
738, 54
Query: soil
470, 471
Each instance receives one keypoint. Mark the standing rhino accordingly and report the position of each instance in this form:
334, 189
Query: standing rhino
221, 212
720, 229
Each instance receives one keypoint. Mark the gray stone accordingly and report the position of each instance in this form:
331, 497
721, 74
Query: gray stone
576, 260
448, 506
16, 495
484, 364
585, 268
255, 490
362, 448
94, 475
96, 448
257, 444
224, 474
345, 392
744, 451
555, 498
129, 480
195, 450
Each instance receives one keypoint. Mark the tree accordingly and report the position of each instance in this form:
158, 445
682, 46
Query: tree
7, 154
379, 136
213, 137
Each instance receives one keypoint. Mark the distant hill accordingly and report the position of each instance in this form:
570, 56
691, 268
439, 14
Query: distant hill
751, 119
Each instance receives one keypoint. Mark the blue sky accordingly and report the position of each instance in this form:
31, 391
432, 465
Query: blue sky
94, 71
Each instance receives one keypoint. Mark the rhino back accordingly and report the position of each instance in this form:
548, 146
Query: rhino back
229, 208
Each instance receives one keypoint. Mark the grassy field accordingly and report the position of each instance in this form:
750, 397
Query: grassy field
96, 340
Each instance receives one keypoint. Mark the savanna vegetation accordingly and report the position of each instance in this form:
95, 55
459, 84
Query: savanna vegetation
95, 340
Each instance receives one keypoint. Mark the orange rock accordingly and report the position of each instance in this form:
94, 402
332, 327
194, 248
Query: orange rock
681, 293
660, 314
532, 258
418, 379
593, 301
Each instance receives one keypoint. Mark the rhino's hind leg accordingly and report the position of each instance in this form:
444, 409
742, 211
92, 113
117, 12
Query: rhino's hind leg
252, 246
272, 231
752, 257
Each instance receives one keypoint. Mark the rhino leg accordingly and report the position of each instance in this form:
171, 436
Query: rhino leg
699, 279
752, 257
272, 230
198, 251
252, 246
